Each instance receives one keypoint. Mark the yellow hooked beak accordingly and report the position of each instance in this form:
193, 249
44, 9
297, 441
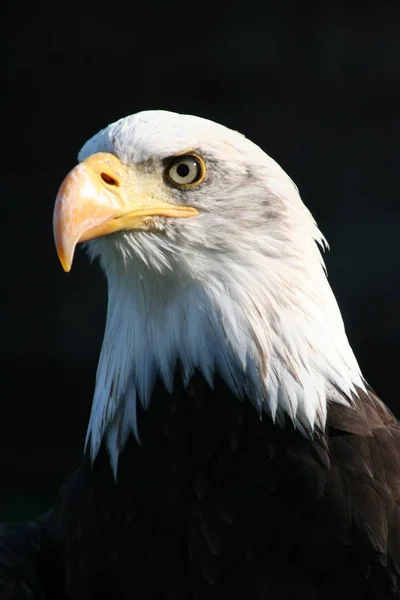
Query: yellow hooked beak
93, 201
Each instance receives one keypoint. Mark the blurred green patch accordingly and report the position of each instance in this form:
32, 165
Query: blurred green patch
19, 507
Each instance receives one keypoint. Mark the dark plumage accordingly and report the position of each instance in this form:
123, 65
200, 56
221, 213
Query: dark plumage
217, 501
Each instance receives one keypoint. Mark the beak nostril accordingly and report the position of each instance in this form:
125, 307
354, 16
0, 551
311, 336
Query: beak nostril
109, 179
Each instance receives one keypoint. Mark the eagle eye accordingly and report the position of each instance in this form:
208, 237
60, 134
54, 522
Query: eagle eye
186, 170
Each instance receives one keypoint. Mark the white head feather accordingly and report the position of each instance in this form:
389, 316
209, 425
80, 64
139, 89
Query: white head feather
240, 290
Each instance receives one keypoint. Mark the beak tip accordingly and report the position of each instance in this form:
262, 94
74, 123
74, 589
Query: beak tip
64, 248
65, 258
67, 268
66, 263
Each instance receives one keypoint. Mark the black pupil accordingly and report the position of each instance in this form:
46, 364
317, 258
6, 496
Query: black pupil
183, 170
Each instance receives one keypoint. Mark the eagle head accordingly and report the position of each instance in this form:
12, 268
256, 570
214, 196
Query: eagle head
213, 262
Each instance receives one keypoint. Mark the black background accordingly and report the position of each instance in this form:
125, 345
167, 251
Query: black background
317, 86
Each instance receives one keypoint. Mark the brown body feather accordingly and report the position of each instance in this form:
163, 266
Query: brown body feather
217, 501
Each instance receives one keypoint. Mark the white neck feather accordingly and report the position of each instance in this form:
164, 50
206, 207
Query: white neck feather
275, 335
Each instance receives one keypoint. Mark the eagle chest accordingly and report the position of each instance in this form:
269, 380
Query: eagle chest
214, 500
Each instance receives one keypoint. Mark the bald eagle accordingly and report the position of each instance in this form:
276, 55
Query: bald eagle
234, 448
